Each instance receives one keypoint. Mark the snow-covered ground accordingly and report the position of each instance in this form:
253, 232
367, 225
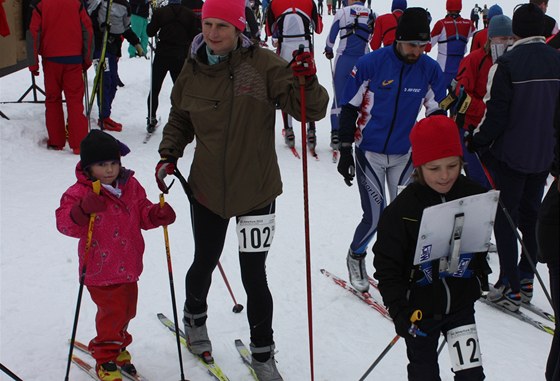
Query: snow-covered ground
39, 273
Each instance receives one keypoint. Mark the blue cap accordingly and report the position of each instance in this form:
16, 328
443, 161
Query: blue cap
494, 10
398, 4
500, 26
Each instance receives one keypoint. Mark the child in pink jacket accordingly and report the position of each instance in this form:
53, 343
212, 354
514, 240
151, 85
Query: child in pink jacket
114, 261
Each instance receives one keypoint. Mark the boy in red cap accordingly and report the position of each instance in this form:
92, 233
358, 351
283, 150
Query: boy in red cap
445, 300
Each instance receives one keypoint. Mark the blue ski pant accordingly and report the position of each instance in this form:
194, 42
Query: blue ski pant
109, 86
343, 66
375, 172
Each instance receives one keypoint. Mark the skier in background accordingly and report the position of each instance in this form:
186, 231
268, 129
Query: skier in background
472, 85
446, 300
516, 140
475, 15
114, 261
354, 24
175, 26
119, 21
64, 61
291, 23
452, 33
481, 36
140, 11
386, 25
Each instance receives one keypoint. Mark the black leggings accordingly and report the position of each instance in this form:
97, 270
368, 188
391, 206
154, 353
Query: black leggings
209, 231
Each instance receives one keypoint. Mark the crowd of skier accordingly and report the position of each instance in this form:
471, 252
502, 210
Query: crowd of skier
491, 121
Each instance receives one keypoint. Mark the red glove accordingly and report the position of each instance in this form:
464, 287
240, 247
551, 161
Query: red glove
162, 216
303, 64
86, 65
91, 203
166, 166
34, 69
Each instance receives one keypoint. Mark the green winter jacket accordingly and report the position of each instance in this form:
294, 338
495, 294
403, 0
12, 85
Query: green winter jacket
230, 109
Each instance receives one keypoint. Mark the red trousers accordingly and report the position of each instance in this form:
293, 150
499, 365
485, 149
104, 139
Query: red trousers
116, 306
68, 78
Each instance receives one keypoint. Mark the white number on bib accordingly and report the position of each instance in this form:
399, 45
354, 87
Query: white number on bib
255, 233
464, 350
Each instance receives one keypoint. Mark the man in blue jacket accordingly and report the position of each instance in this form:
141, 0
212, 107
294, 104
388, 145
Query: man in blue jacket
516, 141
381, 101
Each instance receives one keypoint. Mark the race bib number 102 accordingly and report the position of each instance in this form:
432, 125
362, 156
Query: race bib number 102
255, 233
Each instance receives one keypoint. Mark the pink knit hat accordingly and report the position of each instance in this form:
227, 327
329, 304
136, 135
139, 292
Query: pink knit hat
232, 11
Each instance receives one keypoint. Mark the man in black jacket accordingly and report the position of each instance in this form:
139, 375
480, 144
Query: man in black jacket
516, 139
175, 26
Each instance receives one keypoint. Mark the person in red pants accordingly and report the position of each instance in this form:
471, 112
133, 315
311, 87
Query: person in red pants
62, 34
114, 260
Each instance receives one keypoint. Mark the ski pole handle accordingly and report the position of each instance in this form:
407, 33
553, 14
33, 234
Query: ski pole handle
96, 185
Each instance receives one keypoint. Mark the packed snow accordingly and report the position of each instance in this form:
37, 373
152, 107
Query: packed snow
39, 271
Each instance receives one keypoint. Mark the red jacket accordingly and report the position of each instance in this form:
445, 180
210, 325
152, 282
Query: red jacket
279, 10
117, 248
473, 76
479, 39
61, 28
385, 29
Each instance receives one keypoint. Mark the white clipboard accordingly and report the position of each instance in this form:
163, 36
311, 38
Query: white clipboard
436, 228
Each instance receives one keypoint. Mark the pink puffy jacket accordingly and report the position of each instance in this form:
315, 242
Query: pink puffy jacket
117, 245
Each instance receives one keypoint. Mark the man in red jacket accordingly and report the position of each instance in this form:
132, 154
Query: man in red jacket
386, 25
62, 34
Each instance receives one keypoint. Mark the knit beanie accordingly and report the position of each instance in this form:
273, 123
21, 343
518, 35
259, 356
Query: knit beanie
454, 5
398, 4
99, 146
494, 10
528, 20
232, 11
434, 138
413, 26
499, 26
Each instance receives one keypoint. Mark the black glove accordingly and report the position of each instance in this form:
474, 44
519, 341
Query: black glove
329, 53
404, 324
468, 138
346, 166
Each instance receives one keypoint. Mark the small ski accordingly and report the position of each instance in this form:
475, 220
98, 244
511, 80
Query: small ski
213, 369
373, 283
314, 153
148, 137
245, 356
366, 297
86, 367
295, 152
521, 316
335, 156
539, 311
135, 377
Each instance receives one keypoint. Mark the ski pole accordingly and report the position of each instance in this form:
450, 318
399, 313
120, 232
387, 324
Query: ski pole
416, 315
514, 228
96, 189
172, 288
306, 216
10, 373
86, 97
236, 307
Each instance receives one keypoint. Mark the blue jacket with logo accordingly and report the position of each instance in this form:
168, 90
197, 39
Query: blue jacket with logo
383, 97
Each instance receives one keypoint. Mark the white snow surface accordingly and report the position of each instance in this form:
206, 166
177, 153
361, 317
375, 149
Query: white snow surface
39, 267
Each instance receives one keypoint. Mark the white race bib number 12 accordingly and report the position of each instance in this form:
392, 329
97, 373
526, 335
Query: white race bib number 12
255, 233
464, 350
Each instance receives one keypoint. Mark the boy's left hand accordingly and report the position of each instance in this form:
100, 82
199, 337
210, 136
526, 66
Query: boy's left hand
162, 216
